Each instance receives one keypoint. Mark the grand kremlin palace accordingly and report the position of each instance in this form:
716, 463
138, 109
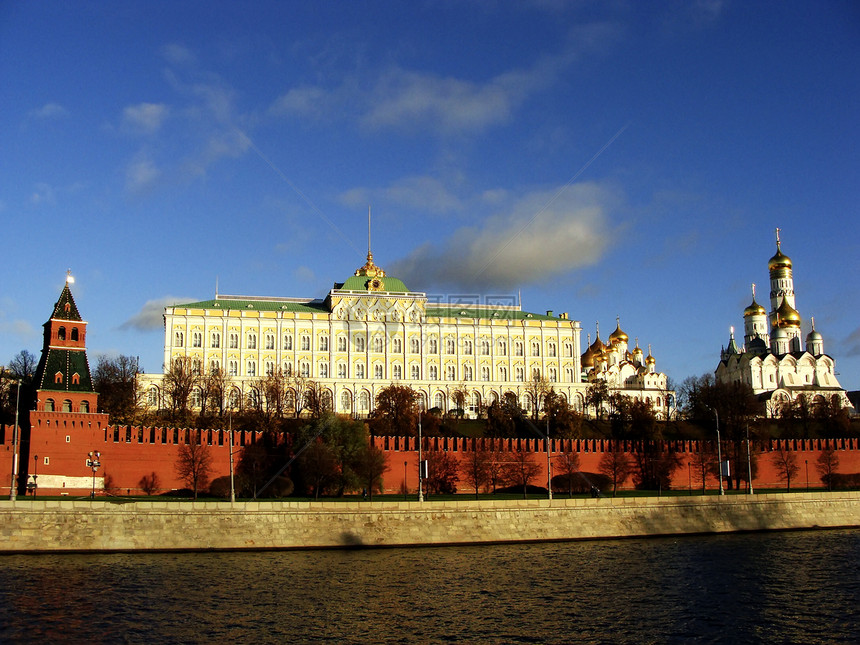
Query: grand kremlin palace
371, 331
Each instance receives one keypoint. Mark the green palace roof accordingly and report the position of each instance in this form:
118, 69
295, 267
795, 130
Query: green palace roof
480, 312
359, 283
261, 304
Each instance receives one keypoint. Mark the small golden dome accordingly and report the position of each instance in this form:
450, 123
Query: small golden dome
787, 316
618, 336
754, 309
587, 359
650, 359
597, 345
779, 261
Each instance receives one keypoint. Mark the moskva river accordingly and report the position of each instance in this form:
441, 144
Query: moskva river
798, 587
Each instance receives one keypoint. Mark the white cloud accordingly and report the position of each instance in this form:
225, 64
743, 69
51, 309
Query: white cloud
49, 111
177, 54
144, 117
543, 235
418, 192
141, 175
303, 101
43, 194
151, 315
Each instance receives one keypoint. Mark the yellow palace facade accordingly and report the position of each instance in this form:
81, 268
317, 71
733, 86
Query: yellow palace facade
369, 332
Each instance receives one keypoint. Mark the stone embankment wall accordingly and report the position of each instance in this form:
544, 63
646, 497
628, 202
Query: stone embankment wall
27, 526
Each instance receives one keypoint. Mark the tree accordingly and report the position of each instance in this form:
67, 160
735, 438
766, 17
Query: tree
567, 467
458, 397
596, 395
150, 483
396, 411
477, 469
319, 465
827, 465
179, 381
653, 466
564, 421
194, 463
703, 463
521, 469
785, 462
442, 472
23, 367
370, 466
317, 399
115, 378
214, 384
537, 388
615, 464
502, 418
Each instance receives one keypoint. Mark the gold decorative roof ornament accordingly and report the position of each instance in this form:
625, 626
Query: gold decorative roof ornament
779, 260
787, 316
618, 336
754, 309
370, 269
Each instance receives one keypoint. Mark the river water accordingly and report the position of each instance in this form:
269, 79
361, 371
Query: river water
794, 587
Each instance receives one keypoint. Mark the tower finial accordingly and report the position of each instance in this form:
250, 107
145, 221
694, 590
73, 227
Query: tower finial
597, 327
813, 322
753, 290
69, 278
369, 254
777, 238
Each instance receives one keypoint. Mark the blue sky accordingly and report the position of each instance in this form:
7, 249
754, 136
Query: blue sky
602, 158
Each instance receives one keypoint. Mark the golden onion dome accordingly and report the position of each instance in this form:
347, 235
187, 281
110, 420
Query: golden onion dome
650, 359
754, 309
779, 261
587, 359
618, 336
597, 345
787, 316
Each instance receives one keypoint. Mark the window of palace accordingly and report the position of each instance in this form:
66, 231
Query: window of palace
438, 401
377, 345
214, 366
434, 346
377, 371
152, 397
550, 350
503, 373
232, 368
485, 373
216, 340
568, 350
467, 347
270, 368
306, 343
485, 348
178, 338
364, 400
434, 373
518, 348
535, 348
359, 370
288, 368
234, 341
467, 373
270, 341
345, 401
359, 343
398, 372
195, 397
341, 343
553, 375
288, 343
341, 370
449, 346
304, 369
323, 370
415, 346
536, 374
195, 366
397, 346
451, 373
323, 343
416, 372
197, 339
519, 374
252, 368
503, 348
252, 341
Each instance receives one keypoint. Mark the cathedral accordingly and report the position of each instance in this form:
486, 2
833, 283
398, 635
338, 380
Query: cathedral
774, 360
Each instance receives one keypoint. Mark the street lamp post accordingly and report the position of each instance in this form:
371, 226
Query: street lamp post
13, 490
749, 461
94, 463
232, 479
807, 474
35, 474
405, 487
548, 462
719, 453
420, 463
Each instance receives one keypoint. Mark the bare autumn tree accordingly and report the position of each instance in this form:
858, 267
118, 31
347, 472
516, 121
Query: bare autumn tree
370, 466
564, 421
317, 399
537, 388
215, 384
179, 381
827, 465
115, 378
567, 467
194, 463
521, 469
23, 366
442, 472
615, 464
703, 463
477, 469
785, 462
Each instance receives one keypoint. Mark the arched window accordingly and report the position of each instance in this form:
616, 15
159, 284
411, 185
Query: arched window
74, 333
234, 341
550, 350
270, 368
49, 405
415, 345
398, 346
341, 343
323, 370
58, 377
346, 401
306, 343
288, 343
67, 406
503, 348
434, 373
341, 370
152, 397
364, 400
452, 373
377, 344
377, 371
359, 343
485, 373
503, 373
196, 339
467, 347
233, 368
178, 338
216, 340
359, 370
196, 399
519, 374
449, 346
61, 333
214, 366
439, 401
416, 372
535, 348
76, 379
305, 369
252, 341
518, 348
434, 346
467, 373
270, 341
398, 372
323, 343
252, 368
485, 348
